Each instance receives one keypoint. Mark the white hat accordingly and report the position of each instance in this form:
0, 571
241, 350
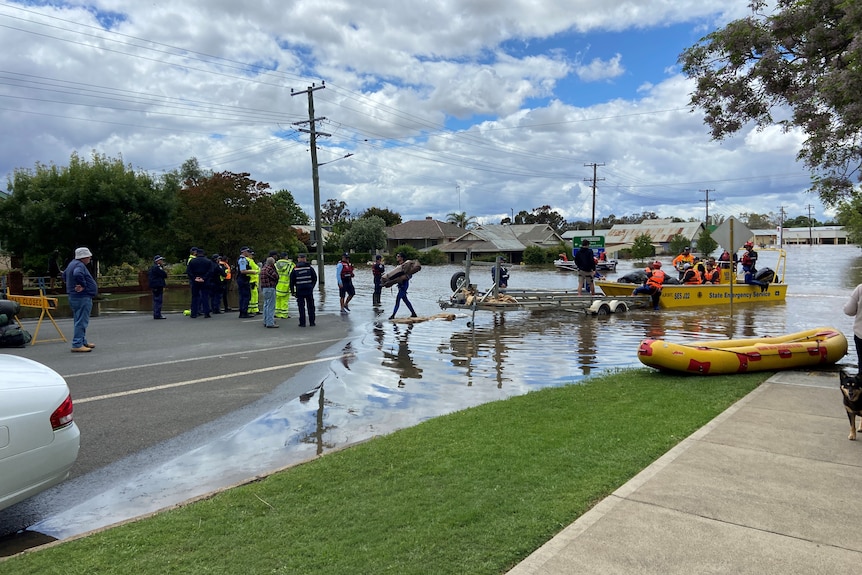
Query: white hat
82, 253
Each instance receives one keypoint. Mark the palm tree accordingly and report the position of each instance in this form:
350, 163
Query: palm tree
461, 219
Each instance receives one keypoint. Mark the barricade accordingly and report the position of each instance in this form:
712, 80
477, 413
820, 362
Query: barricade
41, 302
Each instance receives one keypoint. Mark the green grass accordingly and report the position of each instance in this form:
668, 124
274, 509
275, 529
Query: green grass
472, 492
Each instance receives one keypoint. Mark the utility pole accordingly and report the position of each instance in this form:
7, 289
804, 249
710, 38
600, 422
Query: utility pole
594, 165
315, 177
781, 216
707, 200
810, 238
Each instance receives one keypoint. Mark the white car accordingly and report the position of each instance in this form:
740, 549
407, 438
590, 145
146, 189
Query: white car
38, 438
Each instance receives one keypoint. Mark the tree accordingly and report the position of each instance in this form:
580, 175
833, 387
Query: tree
101, 204
801, 222
334, 211
461, 219
389, 217
225, 211
283, 200
759, 221
804, 56
677, 243
705, 243
642, 247
850, 216
365, 235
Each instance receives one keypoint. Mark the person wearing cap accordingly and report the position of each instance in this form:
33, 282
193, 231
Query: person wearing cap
244, 273
284, 265
377, 270
585, 261
157, 277
684, 258
81, 289
303, 278
344, 274
402, 290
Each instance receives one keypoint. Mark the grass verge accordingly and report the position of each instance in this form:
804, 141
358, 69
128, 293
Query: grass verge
471, 492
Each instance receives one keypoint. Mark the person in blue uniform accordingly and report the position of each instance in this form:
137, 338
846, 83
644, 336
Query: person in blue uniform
157, 277
303, 278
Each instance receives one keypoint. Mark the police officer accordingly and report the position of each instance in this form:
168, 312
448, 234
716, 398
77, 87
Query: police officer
157, 277
244, 273
303, 278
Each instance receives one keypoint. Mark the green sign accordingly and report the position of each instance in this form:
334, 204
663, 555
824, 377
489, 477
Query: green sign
595, 241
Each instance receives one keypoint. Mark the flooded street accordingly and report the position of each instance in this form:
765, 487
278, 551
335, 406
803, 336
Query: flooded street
387, 376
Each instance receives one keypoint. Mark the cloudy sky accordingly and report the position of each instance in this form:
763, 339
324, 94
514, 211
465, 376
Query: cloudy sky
488, 107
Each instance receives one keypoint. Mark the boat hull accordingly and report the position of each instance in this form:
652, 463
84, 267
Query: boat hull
815, 347
678, 296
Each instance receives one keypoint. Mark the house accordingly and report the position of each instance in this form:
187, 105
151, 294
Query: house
421, 234
622, 236
312, 234
510, 240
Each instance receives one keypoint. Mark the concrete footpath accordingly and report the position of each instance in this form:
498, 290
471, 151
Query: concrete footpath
772, 485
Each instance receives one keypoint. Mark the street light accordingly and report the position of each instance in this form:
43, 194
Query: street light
335, 160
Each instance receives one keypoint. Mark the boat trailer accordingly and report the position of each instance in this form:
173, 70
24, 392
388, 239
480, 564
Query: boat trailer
467, 298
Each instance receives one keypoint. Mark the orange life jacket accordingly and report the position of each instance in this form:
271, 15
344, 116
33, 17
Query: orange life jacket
656, 279
692, 277
712, 276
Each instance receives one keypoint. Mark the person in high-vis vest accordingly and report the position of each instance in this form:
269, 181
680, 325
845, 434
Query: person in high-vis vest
283, 266
253, 304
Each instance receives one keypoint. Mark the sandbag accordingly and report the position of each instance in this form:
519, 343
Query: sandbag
400, 273
14, 336
9, 307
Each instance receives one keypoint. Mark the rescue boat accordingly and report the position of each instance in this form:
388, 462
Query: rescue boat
815, 347
680, 295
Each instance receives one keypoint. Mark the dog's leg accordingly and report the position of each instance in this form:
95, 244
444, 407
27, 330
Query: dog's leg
852, 417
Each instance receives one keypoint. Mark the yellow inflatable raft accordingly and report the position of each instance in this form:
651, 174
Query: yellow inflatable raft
820, 346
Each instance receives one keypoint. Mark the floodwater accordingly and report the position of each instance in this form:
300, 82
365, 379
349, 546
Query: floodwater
390, 376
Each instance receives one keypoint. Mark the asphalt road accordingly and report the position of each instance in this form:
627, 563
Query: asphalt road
152, 389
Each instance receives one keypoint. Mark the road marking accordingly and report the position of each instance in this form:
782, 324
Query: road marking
203, 380
200, 358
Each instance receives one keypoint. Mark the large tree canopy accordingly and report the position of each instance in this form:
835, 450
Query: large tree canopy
225, 211
101, 204
796, 66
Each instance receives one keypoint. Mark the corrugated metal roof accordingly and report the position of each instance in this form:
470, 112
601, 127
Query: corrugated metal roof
660, 231
424, 229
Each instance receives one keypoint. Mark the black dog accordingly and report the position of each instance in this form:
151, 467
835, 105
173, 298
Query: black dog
852, 391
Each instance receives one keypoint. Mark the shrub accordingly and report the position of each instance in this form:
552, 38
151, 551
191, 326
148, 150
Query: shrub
433, 257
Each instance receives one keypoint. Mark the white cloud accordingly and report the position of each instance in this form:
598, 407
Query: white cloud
426, 95
599, 69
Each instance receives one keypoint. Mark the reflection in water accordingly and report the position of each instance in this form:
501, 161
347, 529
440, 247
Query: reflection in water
391, 376
401, 361
316, 436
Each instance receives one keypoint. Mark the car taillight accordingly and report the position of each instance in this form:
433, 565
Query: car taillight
62, 416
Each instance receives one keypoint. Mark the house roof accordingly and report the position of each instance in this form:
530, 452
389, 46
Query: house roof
660, 231
423, 229
503, 238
